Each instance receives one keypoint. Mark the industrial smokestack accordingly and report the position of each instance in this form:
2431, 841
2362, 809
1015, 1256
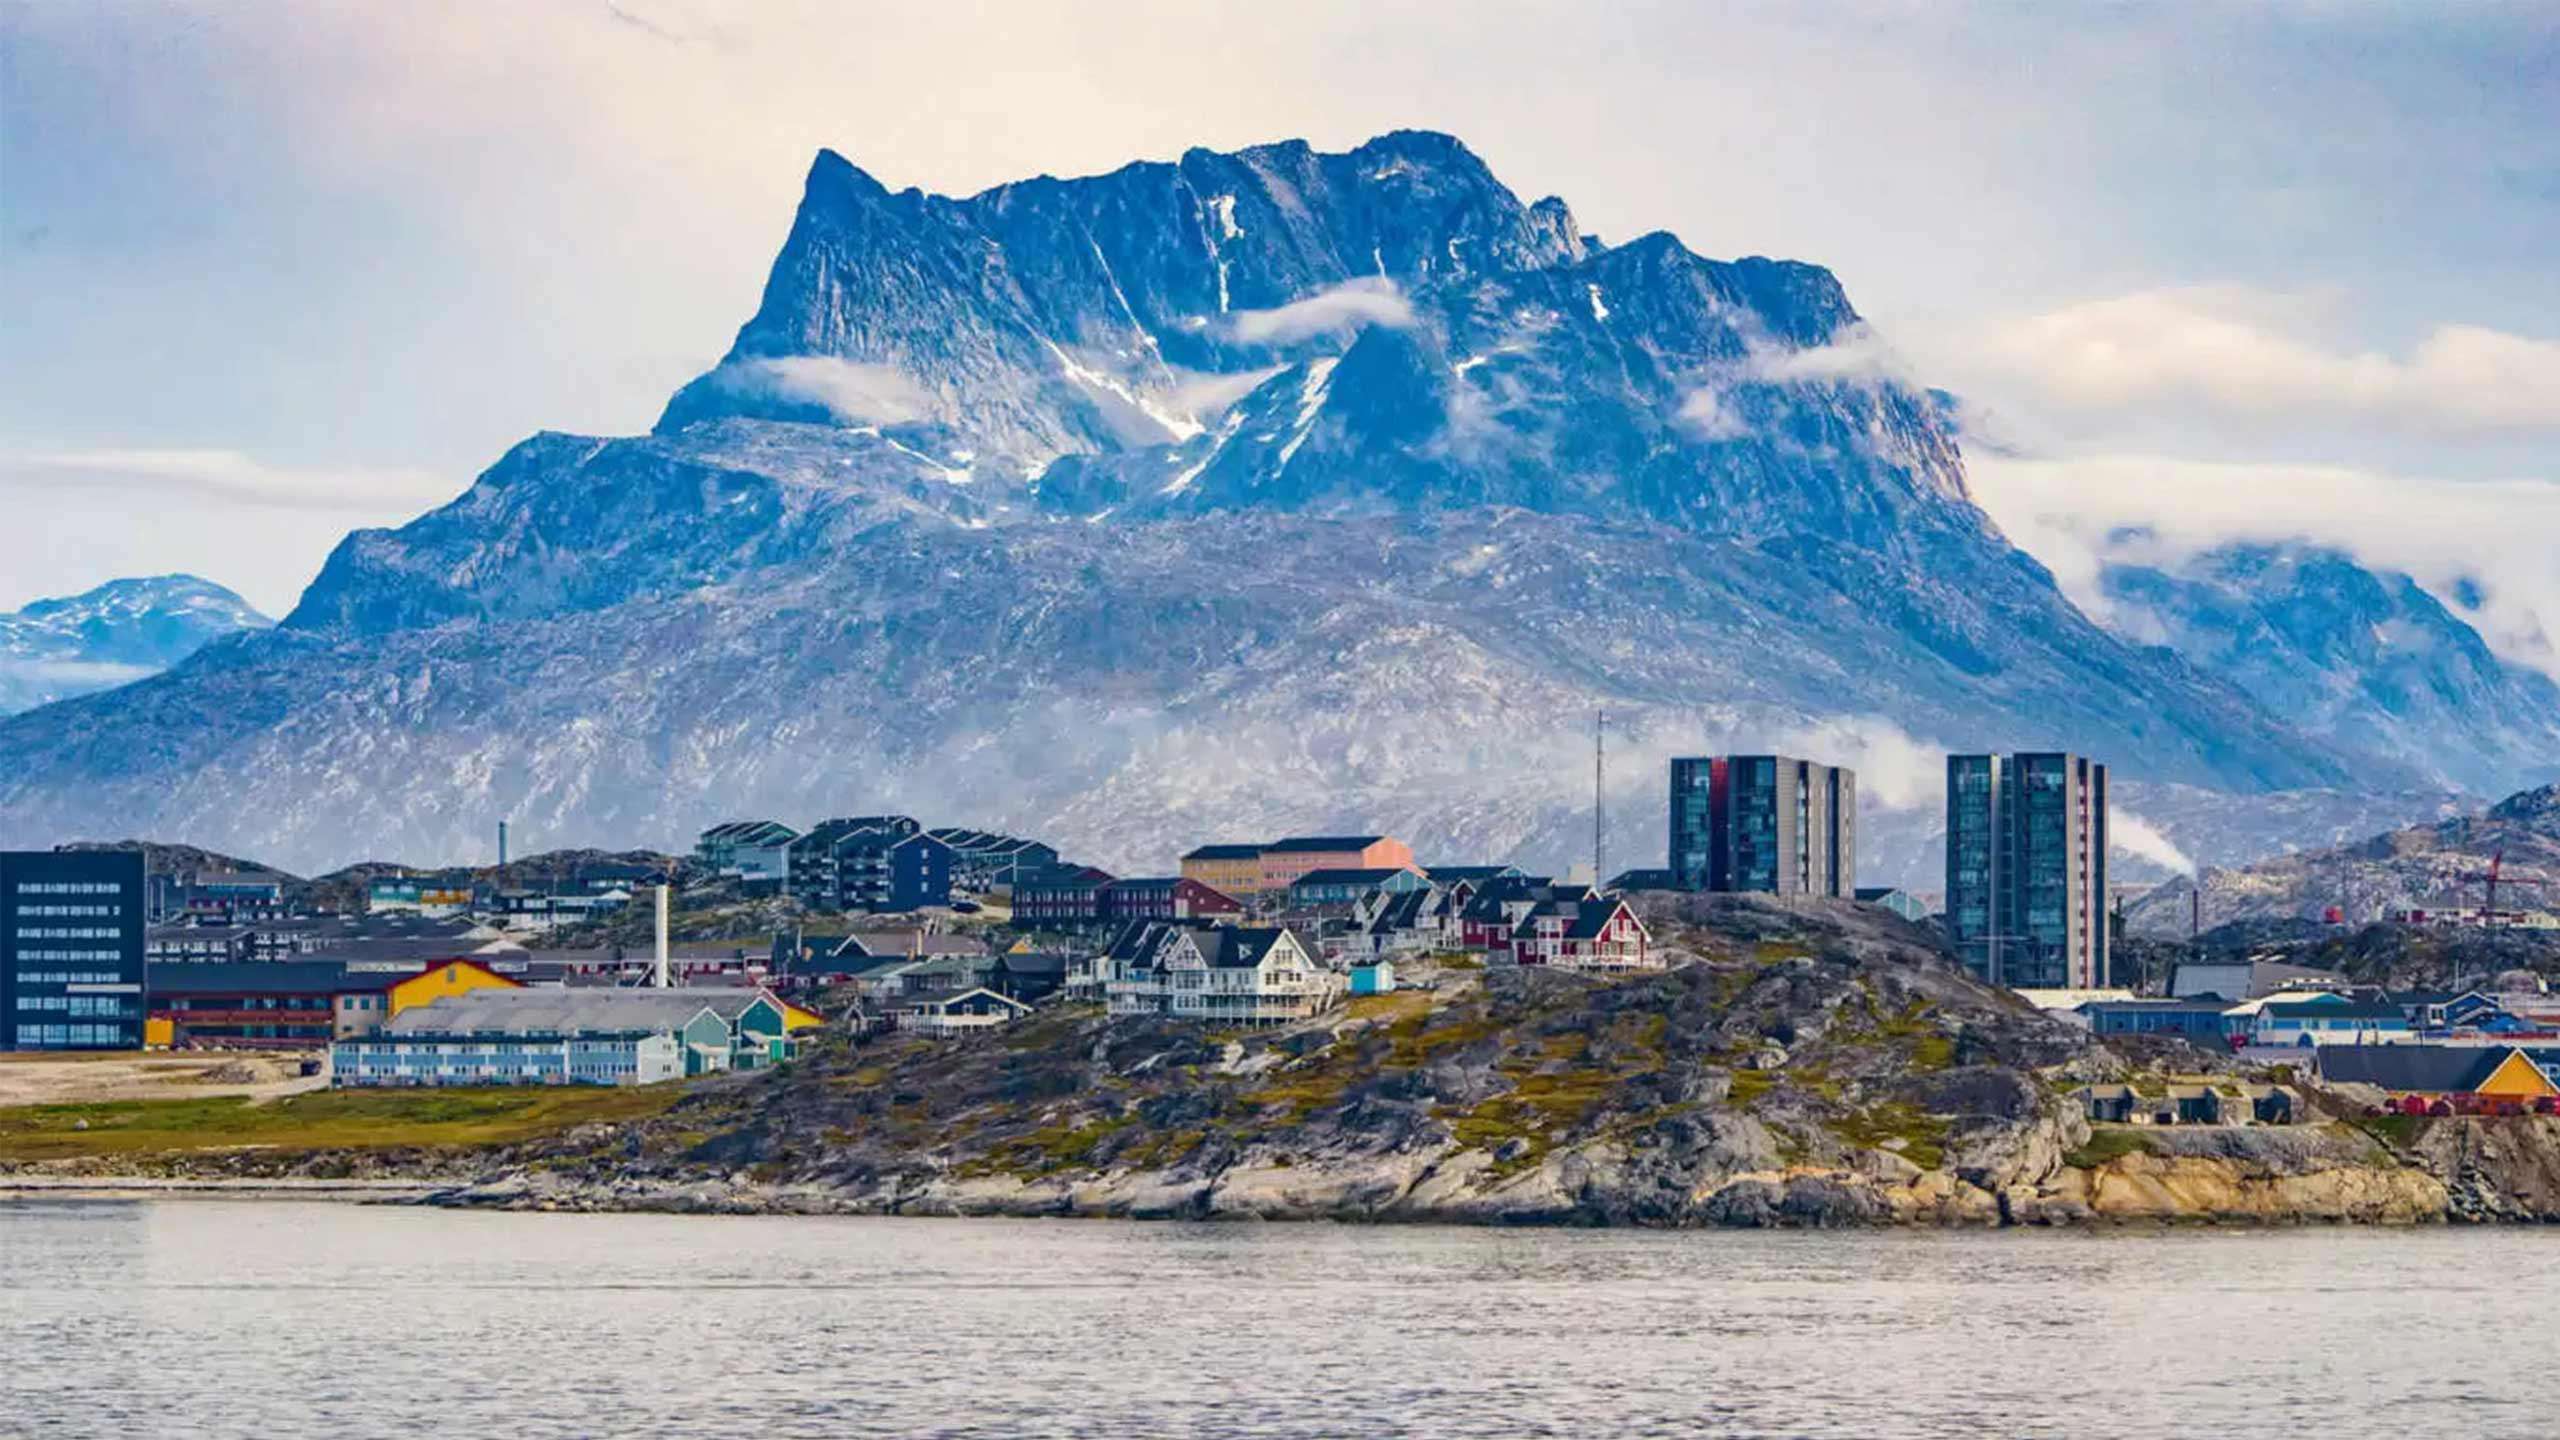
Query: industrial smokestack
502, 847
663, 979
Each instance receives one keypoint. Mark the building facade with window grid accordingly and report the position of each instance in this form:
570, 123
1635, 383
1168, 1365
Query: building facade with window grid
71, 958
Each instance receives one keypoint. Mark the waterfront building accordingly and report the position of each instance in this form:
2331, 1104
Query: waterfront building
71, 949
606, 1036
2027, 868
1772, 824
2494, 1073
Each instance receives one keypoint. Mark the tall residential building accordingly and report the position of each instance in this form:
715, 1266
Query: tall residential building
2027, 868
71, 951
1770, 823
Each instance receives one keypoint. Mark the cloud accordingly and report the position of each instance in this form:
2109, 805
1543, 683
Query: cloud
1708, 413
1858, 353
2483, 547
259, 527
1205, 397
229, 475
850, 391
2240, 354
2136, 836
1340, 309
1896, 771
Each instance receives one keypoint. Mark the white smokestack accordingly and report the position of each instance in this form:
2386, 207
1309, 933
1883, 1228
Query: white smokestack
664, 982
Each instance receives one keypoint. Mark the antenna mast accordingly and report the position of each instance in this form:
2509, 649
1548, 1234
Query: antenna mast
1599, 798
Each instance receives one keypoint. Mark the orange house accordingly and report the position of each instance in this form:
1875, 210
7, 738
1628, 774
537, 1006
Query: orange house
1283, 861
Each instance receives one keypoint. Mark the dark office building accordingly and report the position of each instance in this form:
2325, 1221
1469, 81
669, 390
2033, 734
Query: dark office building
2027, 868
71, 950
1769, 823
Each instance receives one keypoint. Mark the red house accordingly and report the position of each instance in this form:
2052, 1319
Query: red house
1591, 933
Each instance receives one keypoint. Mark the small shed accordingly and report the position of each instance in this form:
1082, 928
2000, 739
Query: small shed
2196, 1104
2272, 1105
1373, 977
2117, 1104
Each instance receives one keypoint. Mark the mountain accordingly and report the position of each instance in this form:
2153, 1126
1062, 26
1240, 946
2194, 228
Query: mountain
2365, 660
118, 633
1234, 495
2437, 866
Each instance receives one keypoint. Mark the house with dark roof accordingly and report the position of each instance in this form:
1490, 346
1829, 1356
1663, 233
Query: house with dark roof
1586, 932
1059, 897
1168, 897
1332, 888
755, 852
2205, 1022
955, 1012
2490, 1072
2332, 1020
1215, 974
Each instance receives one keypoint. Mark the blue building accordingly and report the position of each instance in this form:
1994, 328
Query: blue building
2206, 1022
71, 950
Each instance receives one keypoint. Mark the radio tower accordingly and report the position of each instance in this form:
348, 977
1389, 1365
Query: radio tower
1599, 798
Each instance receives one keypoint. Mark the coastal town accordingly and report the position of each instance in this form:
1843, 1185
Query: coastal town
883, 925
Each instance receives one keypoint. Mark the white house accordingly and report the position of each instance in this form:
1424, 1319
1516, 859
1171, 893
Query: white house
1218, 974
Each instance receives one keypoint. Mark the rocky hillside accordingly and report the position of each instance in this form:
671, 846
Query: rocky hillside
115, 634
2435, 866
1812, 1068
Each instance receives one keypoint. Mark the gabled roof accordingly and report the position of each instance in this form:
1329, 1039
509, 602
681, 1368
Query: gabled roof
943, 1001
1227, 947
1302, 844
2434, 1069
607, 1009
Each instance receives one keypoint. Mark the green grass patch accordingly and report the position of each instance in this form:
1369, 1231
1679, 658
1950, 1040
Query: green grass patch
1922, 1136
2107, 1143
322, 1120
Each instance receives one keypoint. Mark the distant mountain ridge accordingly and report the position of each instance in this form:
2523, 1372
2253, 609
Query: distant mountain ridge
1235, 495
2439, 866
2365, 660
112, 635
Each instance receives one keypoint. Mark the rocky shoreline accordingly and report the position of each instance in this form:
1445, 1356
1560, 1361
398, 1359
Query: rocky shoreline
1799, 1067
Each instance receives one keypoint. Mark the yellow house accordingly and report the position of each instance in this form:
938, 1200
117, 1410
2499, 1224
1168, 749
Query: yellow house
795, 1019
447, 977
2517, 1078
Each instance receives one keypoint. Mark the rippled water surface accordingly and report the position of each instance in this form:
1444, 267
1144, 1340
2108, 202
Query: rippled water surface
283, 1320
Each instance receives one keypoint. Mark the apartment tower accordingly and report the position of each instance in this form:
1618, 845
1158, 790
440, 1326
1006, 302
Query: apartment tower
1770, 823
2027, 868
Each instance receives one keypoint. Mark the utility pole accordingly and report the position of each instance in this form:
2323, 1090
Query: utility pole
1599, 799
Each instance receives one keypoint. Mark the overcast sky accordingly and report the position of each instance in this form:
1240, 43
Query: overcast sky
271, 271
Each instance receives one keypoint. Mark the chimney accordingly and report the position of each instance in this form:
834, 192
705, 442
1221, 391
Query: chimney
662, 977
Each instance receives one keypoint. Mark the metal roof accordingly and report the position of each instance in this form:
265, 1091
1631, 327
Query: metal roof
546, 1011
